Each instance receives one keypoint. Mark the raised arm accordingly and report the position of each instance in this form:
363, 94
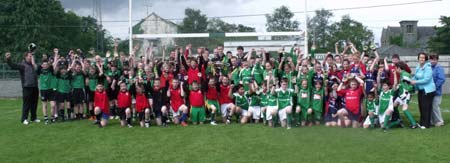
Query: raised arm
230, 92
336, 48
377, 58
14, 66
386, 66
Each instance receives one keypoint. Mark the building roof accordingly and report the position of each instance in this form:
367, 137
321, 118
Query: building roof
395, 49
157, 16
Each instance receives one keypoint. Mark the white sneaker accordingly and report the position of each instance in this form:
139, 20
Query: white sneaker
25, 122
228, 121
288, 128
421, 127
213, 123
37, 121
147, 125
130, 126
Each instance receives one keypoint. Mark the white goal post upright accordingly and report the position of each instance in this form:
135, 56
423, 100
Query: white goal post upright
130, 27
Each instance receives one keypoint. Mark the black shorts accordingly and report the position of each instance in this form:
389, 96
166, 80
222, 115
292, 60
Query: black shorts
77, 96
352, 116
47, 95
141, 116
121, 113
157, 110
62, 97
112, 94
86, 94
90, 95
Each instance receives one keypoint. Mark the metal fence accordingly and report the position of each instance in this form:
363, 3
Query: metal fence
6, 72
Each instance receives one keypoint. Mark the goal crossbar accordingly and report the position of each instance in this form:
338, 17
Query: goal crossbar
215, 35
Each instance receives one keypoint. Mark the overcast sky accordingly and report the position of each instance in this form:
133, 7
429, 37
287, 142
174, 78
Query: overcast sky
427, 12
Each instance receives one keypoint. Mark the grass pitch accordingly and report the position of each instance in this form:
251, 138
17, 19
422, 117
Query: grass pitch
80, 141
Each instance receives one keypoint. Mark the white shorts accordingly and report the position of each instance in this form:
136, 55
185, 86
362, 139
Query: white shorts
367, 120
269, 111
255, 111
178, 113
381, 118
282, 114
224, 107
244, 112
401, 101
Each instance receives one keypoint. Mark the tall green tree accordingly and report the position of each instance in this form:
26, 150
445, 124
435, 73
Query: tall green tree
319, 29
440, 43
194, 21
280, 20
351, 30
45, 23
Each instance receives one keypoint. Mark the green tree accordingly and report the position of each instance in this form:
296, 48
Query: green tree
319, 29
280, 20
46, 23
194, 22
440, 43
351, 30
216, 25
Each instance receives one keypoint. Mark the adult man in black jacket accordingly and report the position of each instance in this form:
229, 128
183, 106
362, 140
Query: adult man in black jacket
30, 92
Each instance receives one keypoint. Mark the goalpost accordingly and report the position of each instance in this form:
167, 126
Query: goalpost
215, 35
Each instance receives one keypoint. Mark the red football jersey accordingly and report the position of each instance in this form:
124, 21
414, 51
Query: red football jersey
352, 99
141, 102
101, 101
176, 100
123, 100
224, 98
196, 98
164, 78
212, 93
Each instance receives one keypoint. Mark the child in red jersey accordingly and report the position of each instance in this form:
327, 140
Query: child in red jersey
352, 96
226, 102
124, 105
212, 96
197, 102
142, 104
177, 106
101, 106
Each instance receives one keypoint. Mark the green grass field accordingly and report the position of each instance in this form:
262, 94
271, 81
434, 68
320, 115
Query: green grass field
80, 141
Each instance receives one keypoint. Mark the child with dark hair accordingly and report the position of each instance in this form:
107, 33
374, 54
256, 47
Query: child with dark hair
372, 109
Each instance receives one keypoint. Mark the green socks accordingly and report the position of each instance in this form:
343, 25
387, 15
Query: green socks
410, 117
289, 119
372, 121
386, 121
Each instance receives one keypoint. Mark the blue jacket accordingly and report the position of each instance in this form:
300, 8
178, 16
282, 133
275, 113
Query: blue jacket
424, 78
438, 77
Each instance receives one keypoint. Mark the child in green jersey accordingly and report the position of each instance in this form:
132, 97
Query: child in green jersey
241, 103
404, 88
45, 72
78, 84
63, 90
317, 99
254, 110
371, 107
303, 100
284, 97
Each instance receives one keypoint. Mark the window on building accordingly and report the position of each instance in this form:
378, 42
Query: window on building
409, 28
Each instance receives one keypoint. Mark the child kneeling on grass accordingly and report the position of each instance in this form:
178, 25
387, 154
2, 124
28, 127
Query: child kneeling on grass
124, 105
101, 106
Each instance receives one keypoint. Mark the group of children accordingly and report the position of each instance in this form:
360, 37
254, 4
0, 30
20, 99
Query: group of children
287, 89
